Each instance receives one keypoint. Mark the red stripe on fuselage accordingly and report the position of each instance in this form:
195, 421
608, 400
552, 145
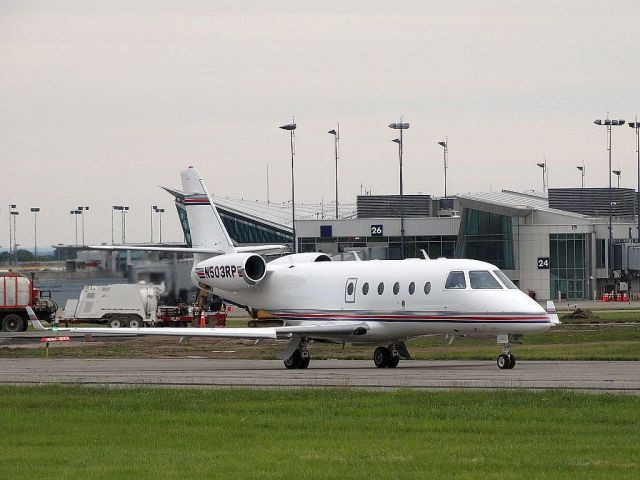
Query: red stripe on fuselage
477, 318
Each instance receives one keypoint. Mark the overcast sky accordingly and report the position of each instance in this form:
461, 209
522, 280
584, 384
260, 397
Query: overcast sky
102, 101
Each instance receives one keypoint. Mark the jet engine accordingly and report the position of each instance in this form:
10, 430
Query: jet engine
295, 258
231, 272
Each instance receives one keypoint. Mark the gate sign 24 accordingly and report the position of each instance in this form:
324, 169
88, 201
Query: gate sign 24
376, 230
543, 263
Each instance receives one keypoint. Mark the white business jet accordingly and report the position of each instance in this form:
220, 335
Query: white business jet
377, 302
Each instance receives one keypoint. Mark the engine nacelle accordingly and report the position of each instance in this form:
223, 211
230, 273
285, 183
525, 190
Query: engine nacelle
231, 272
295, 258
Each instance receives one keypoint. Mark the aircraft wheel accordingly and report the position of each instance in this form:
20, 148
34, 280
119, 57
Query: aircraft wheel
503, 361
293, 361
304, 361
393, 361
381, 357
512, 361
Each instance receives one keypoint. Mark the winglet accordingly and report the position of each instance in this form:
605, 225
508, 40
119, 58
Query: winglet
551, 311
34, 320
424, 254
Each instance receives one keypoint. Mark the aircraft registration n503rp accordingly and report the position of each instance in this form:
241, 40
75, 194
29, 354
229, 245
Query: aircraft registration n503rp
379, 302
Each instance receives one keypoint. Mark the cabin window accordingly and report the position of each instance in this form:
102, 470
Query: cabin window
482, 279
427, 288
380, 288
507, 283
456, 280
365, 288
350, 289
396, 288
412, 288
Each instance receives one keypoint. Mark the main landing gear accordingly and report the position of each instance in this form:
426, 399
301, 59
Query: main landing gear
300, 358
385, 357
389, 357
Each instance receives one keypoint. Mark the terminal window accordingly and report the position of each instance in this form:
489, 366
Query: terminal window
568, 265
486, 236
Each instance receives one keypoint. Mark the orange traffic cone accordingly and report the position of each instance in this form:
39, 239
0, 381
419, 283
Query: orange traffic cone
203, 320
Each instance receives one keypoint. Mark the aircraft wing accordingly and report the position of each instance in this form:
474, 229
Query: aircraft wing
314, 330
157, 249
263, 248
212, 251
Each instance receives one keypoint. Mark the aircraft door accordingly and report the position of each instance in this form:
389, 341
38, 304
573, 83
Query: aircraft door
350, 290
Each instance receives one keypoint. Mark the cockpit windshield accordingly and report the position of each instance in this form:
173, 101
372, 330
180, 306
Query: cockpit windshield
504, 279
456, 280
482, 279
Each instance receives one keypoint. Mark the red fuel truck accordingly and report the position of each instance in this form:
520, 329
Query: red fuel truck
16, 294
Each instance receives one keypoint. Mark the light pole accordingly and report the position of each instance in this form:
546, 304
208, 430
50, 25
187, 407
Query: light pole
11, 207
124, 210
159, 211
543, 166
336, 134
400, 126
35, 211
75, 214
581, 168
445, 146
635, 125
153, 209
618, 173
14, 214
609, 123
113, 208
82, 210
291, 128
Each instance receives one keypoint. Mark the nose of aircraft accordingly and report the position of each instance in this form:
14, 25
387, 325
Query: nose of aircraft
528, 304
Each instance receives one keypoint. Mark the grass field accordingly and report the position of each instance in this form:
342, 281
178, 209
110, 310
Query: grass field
568, 342
83, 433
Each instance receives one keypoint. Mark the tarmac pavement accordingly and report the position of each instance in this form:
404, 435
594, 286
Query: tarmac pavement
623, 377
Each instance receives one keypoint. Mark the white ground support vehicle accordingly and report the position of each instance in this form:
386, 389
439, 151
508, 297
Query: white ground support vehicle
118, 305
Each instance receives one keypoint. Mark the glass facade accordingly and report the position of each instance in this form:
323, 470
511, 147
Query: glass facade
486, 236
245, 231
435, 245
241, 230
569, 267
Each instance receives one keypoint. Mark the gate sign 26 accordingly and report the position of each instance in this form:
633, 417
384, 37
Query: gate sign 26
376, 230
543, 263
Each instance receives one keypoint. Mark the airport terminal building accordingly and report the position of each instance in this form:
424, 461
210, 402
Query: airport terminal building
552, 246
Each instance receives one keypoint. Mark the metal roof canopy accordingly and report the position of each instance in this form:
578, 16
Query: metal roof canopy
513, 204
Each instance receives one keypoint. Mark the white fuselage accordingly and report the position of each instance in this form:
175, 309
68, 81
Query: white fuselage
322, 292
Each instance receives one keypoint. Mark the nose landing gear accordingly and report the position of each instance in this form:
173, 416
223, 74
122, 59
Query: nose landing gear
506, 360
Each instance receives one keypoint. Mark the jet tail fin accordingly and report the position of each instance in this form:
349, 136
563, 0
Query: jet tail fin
201, 222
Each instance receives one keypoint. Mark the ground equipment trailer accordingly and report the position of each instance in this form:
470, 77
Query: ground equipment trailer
16, 294
117, 305
132, 305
